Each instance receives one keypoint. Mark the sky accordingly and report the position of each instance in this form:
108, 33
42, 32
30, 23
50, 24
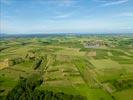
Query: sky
66, 16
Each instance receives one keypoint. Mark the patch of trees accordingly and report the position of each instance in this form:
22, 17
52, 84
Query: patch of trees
45, 43
24, 43
126, 42
48, 42
26, 90
3, 48
14, 61
40, 63
123, 84
30, 55
37, 63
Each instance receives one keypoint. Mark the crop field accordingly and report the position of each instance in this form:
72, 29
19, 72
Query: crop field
82, 67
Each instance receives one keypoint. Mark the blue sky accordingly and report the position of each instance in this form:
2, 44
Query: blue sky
72, 16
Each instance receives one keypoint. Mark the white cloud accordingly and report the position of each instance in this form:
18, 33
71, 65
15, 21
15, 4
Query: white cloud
67, 15
117, 2
105, 3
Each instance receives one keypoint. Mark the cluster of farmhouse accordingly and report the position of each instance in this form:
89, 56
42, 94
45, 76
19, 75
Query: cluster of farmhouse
94, 43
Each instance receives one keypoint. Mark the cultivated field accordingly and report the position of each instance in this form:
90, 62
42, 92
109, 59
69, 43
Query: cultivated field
92, 67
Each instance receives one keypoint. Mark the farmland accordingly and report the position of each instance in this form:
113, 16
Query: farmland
74, 67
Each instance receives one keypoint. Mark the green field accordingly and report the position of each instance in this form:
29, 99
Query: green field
69, 65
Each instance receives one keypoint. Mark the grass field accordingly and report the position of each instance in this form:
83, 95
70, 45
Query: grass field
101, 73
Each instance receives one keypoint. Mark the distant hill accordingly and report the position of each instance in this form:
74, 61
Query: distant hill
41, 35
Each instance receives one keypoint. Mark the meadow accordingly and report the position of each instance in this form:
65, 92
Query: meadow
68, 67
